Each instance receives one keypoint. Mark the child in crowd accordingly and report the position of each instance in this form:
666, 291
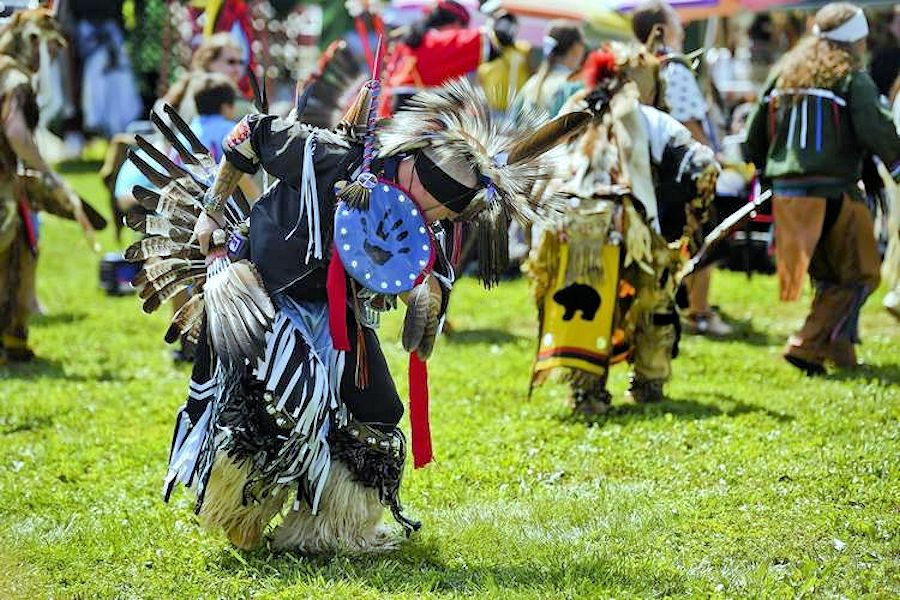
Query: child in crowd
215, 99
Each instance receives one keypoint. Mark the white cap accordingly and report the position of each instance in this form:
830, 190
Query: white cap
852, 30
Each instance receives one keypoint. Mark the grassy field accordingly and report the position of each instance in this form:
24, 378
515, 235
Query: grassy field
751, 481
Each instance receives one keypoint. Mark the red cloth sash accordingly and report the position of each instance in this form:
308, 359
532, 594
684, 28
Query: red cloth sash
336, 287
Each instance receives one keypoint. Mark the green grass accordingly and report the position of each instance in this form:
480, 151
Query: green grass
752, 481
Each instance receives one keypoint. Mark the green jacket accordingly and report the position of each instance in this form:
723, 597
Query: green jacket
812, 141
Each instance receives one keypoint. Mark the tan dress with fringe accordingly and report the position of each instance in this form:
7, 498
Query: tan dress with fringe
18, 260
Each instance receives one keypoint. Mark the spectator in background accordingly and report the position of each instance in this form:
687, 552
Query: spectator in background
215, 100
219, 53
433, 51
505, 75
564, 49
214, 97
658, 26
109, 96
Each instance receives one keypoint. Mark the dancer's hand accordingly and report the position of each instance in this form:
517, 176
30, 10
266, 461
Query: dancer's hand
206, 225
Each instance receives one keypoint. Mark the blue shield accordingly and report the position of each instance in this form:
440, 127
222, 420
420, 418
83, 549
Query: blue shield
386, 246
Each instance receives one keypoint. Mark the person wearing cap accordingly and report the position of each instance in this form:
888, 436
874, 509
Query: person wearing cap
352, 224
818, 118
439, 47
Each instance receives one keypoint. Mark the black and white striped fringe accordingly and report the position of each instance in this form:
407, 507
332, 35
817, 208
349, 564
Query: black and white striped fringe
302, 394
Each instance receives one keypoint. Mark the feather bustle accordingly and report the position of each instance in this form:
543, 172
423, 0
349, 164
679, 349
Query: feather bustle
168, 205
160, 246
156, 298
174, 170
157, 225
186, 155
157, 285
156, 178
153, 270
185, 130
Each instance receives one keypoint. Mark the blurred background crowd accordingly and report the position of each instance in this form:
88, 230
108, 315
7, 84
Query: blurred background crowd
126, 56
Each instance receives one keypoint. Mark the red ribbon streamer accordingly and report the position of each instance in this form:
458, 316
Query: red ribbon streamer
418, 386
28, 224
336, 286
418, 411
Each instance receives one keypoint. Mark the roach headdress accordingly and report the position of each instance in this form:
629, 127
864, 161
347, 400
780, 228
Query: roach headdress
481, 166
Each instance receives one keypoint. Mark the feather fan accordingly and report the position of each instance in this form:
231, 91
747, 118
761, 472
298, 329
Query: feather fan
230, 296
239, 312
158, 225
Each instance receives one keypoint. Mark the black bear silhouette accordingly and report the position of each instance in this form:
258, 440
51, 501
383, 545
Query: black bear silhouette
578, 296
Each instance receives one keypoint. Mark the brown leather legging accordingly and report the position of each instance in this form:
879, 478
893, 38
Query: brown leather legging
833, 240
